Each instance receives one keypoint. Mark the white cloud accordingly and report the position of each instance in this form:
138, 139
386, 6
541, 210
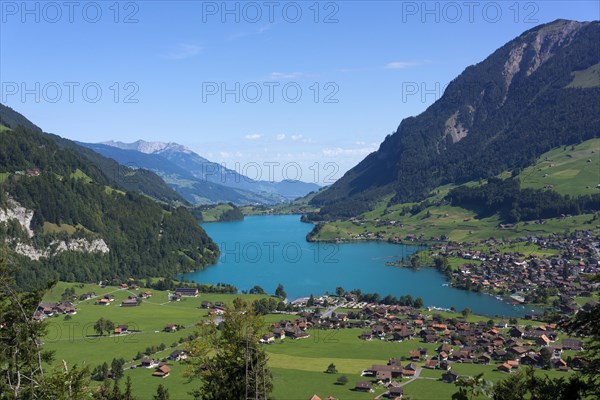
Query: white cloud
253, 136
340, 151
280, 137
259, 31
184, 51
295, 138
225, 154
403, 64
285, 75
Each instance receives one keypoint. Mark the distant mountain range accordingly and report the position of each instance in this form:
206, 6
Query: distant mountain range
197, 179
119, 176
539, 91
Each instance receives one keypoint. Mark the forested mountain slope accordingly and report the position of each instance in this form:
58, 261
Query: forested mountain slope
539, 91
60, 218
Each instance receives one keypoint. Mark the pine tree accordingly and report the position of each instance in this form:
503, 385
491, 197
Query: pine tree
230, 361
161, 393
280, 292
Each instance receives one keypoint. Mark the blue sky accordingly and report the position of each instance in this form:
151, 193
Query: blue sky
250, 82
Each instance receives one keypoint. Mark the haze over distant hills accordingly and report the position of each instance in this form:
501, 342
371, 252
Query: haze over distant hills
197, 179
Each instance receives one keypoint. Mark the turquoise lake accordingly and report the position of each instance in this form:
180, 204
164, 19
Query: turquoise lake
268, 250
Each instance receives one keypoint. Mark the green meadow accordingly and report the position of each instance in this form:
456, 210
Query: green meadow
297, 365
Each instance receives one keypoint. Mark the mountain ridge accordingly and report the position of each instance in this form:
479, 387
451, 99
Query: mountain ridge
497, 115
119, 176
148, 147
197, 179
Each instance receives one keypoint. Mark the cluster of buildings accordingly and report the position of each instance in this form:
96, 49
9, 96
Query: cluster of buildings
458, 342
565, 273
45, 310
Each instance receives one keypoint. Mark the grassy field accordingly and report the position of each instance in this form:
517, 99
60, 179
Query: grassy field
587, 78
54, 228
573, 170
454, 223
298, 365
75, 340
110, 190
292, 384
79, 174
214, 213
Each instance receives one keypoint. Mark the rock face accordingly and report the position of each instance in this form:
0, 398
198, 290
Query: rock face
81, 245
16, 211
59, 246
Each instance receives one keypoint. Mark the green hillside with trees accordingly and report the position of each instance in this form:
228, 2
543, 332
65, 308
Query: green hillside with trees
64, 189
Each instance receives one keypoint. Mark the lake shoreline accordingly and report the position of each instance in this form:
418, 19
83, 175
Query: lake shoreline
273, 249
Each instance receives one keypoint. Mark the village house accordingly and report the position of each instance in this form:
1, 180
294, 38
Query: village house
121, 329
162, 371
177, 355
572, 344
130, 302
279, 333
267, 338
109, 297
363, 386
187, 292
505, 368
395, 392
206, 304
147, 362
103, 302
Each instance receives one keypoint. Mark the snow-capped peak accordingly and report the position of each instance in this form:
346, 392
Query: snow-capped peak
149, 147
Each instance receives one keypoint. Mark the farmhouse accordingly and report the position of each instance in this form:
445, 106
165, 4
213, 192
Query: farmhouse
206, 304
103, 302
505, 368
147, 362
162, 371
178, 355
572, 344
363, 386
395, 392
109, 297
279, 333
129, 303
187, 292
267, 338
121, 329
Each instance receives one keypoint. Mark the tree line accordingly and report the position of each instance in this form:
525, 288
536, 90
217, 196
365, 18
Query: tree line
514, 204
